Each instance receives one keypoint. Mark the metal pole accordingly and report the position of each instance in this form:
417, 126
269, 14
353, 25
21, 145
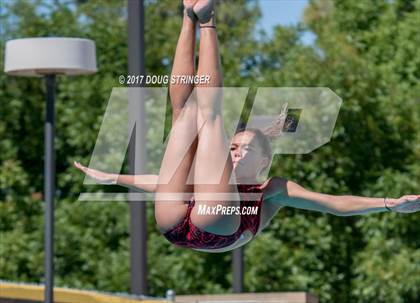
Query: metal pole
238, 269
137, 149
49, 189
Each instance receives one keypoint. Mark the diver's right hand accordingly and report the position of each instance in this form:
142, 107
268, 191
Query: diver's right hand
405, 204
101, 177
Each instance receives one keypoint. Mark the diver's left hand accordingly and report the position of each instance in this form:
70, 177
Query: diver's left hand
406, 204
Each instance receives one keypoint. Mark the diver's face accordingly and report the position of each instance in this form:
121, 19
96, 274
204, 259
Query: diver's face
247, 156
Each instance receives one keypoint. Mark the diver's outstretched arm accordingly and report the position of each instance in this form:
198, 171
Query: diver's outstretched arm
143, 182
292, 194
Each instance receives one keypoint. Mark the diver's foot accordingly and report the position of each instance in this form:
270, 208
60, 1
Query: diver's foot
204, 10
188, 8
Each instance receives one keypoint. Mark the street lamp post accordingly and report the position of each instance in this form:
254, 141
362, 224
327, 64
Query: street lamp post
238, 269
48, 57
137, 150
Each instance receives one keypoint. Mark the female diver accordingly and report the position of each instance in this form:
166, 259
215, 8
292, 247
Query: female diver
205, 168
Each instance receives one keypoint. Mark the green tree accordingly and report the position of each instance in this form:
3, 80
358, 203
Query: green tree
366, 52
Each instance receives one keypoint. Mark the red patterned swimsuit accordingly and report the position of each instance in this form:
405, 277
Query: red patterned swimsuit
186, 234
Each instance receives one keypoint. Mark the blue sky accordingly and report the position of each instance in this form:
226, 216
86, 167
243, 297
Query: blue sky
284, 12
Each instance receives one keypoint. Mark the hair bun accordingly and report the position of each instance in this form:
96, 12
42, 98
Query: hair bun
276, 128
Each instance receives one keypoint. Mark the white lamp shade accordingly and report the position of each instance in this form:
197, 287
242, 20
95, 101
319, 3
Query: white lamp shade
45, 56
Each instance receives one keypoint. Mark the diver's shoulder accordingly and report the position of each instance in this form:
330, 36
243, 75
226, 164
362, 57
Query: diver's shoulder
274, 185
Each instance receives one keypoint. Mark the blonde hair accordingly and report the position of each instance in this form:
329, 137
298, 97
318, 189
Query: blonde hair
268, 134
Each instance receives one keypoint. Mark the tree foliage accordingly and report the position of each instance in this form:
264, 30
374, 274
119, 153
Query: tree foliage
366, 52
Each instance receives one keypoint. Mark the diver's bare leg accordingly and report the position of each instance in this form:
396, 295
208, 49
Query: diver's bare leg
213, 165
182, 142
183, 64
